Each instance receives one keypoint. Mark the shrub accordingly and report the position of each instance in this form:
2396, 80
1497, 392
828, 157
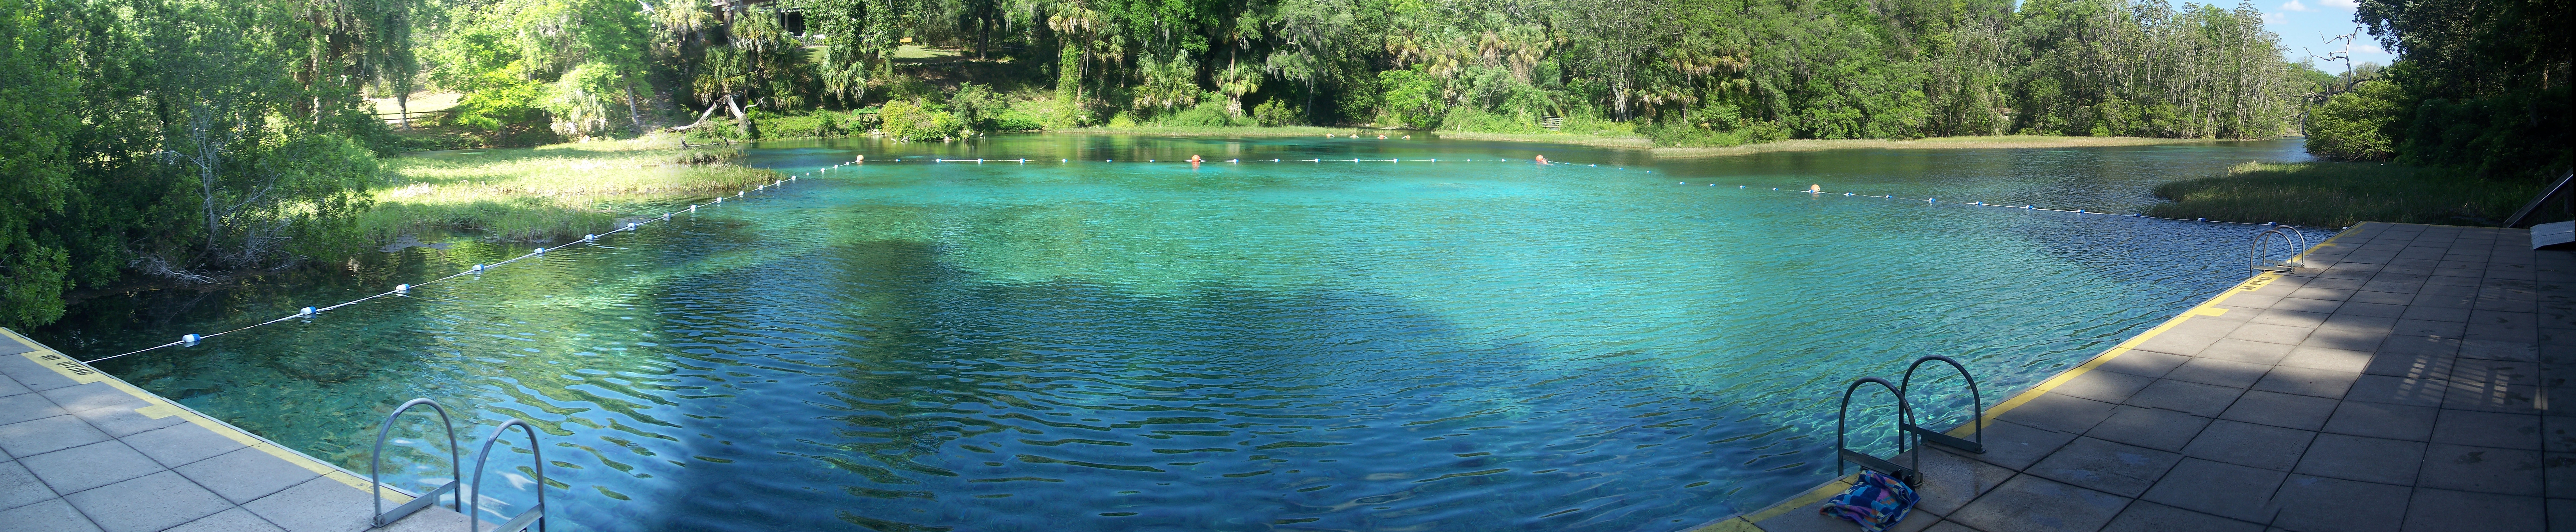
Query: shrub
1275, 113
2353, 126
1208, 113
905, 121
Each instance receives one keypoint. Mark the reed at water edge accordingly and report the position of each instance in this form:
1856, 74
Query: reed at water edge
2340, 194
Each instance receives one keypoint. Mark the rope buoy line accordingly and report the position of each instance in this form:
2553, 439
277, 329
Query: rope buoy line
191, 340
2079, 212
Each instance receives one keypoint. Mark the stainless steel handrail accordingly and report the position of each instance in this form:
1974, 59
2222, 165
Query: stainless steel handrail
535, 514
1844, 453
2261, 251
1976, 399
375, 465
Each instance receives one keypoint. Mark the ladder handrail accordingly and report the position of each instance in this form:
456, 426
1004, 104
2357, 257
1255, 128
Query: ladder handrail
376, 479
2261, 245
1842, 449
1977, 400
473, 506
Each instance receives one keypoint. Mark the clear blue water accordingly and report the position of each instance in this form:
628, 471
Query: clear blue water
1265, 346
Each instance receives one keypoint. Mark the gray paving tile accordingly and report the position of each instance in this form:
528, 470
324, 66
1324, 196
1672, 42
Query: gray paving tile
93, 395
318, 505
27, 406
2371, 310
179, 445
2439, 510
2178, 343
2385, 461
2032, 504
2362, 324
2276, 334
2382, 420
2378, 297
2225, 490
9, 387
2500, 350
2154, 364
246, 475
2485, 396
2318, 504
148, 503
50, 515
2488, 429
2329, 384
2247, 351
2327, 358
2306, 321
2016, 446
2563, 513
2558, 433
2396, 390
2205, 326
2250, 445
2363, 340
2481, 469
11, 346
2411, 365
2440, 314
2143, 516
2326, 294
2282, 410
2152, 428
89, 466
2105, 386
33, 375
2059, 412
2558, 475
1950, 480
2187, 397
19, 487
233, 520
120, 422
2311, 306
2105, 466
2218, 372
39, 436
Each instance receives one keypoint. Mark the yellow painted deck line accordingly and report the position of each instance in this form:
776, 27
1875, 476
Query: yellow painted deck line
162, 408
2205, 308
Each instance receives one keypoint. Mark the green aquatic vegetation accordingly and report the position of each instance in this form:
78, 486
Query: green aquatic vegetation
2334, 194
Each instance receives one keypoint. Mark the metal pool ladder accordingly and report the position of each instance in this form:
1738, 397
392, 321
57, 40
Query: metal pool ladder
535, 515
1906, 426
375, 465
2262, 251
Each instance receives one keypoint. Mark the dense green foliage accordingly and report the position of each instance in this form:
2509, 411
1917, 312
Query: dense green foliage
183, 139
2479, 85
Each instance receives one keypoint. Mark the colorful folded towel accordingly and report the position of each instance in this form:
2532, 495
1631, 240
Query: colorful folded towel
1876, 502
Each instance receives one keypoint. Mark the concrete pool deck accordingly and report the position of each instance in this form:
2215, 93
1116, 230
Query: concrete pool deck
2402, 382
84, 451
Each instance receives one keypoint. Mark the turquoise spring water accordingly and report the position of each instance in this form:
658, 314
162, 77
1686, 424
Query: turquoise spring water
1456, 345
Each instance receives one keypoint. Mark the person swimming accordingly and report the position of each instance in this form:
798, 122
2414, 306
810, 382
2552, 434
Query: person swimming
1815, 189
863, 159
1542, 160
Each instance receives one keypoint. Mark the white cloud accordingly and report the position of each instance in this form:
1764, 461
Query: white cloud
2294, 5
2346, 5
2273, 18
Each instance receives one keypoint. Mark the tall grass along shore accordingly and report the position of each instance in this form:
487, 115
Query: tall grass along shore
2339, 194
547, 192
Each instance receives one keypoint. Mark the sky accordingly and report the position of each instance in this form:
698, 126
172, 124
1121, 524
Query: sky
2305, 24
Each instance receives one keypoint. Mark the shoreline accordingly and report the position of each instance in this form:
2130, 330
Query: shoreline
1667, 152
